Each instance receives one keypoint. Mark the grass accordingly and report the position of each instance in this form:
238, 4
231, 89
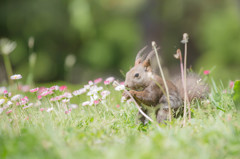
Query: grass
108, 131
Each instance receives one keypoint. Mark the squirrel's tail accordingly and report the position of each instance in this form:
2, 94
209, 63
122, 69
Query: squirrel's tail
196, 88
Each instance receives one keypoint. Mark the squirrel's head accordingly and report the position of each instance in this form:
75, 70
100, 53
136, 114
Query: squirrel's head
140, 75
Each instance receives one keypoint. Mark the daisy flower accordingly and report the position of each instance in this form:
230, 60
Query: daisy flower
54, 88
79, 92
98, 80
49, 109
119, 88
9, 103
105, 93
65, 100
2, 89
41, 109
8, 112
2, 101
73, 106
206, 72
96, 102
90, 83
67, 95
109, 80
62, 88
34, 90
16, 97
47, 93
86, 103
16, 77
231, 84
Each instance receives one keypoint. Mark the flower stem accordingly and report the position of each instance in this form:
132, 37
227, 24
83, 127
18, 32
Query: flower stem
186, 100
8, 68
183, 80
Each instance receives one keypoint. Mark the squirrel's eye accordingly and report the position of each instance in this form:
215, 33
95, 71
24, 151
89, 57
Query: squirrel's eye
136, 75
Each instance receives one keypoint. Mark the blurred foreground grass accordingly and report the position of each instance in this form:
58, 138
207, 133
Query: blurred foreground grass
110, 131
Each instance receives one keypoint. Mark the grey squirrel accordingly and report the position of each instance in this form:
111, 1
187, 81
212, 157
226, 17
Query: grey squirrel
147, 88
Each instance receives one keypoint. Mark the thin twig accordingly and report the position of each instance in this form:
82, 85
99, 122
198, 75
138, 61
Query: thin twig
185, 41
179, 55
164, 81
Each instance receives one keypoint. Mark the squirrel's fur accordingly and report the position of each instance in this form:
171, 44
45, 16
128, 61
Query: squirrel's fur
148, 89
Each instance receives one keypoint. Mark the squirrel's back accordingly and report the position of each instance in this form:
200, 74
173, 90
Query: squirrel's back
196, 88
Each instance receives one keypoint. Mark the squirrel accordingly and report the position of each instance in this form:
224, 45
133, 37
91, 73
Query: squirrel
146, 87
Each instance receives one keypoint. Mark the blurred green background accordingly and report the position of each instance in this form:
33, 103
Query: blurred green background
105, 35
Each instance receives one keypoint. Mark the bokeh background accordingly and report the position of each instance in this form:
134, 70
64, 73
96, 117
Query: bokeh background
103, 36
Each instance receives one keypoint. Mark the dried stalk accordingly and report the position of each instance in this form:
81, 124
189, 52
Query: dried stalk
164, 81
178, 55
185, 41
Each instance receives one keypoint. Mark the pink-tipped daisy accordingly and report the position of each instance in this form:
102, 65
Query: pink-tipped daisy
106, 82
53, 88
5, 92
62, 88
8, 112
90, 83
206, 72
34, 90
39, 97
68, 111
2, 89
41, 109
47, 93
96, 102
109, 80
231, 84
98, 80
42, 89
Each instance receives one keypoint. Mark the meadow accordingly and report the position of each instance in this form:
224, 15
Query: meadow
63, 63
60, 120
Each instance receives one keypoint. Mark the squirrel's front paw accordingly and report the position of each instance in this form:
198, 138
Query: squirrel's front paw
132, 92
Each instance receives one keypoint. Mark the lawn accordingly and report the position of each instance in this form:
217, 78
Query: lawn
57, 125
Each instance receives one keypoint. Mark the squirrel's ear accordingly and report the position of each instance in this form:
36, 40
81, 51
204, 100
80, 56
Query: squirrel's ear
140, 56
138, 61
146, 63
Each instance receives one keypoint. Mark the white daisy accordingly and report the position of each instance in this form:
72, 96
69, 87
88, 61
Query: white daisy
16, 77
